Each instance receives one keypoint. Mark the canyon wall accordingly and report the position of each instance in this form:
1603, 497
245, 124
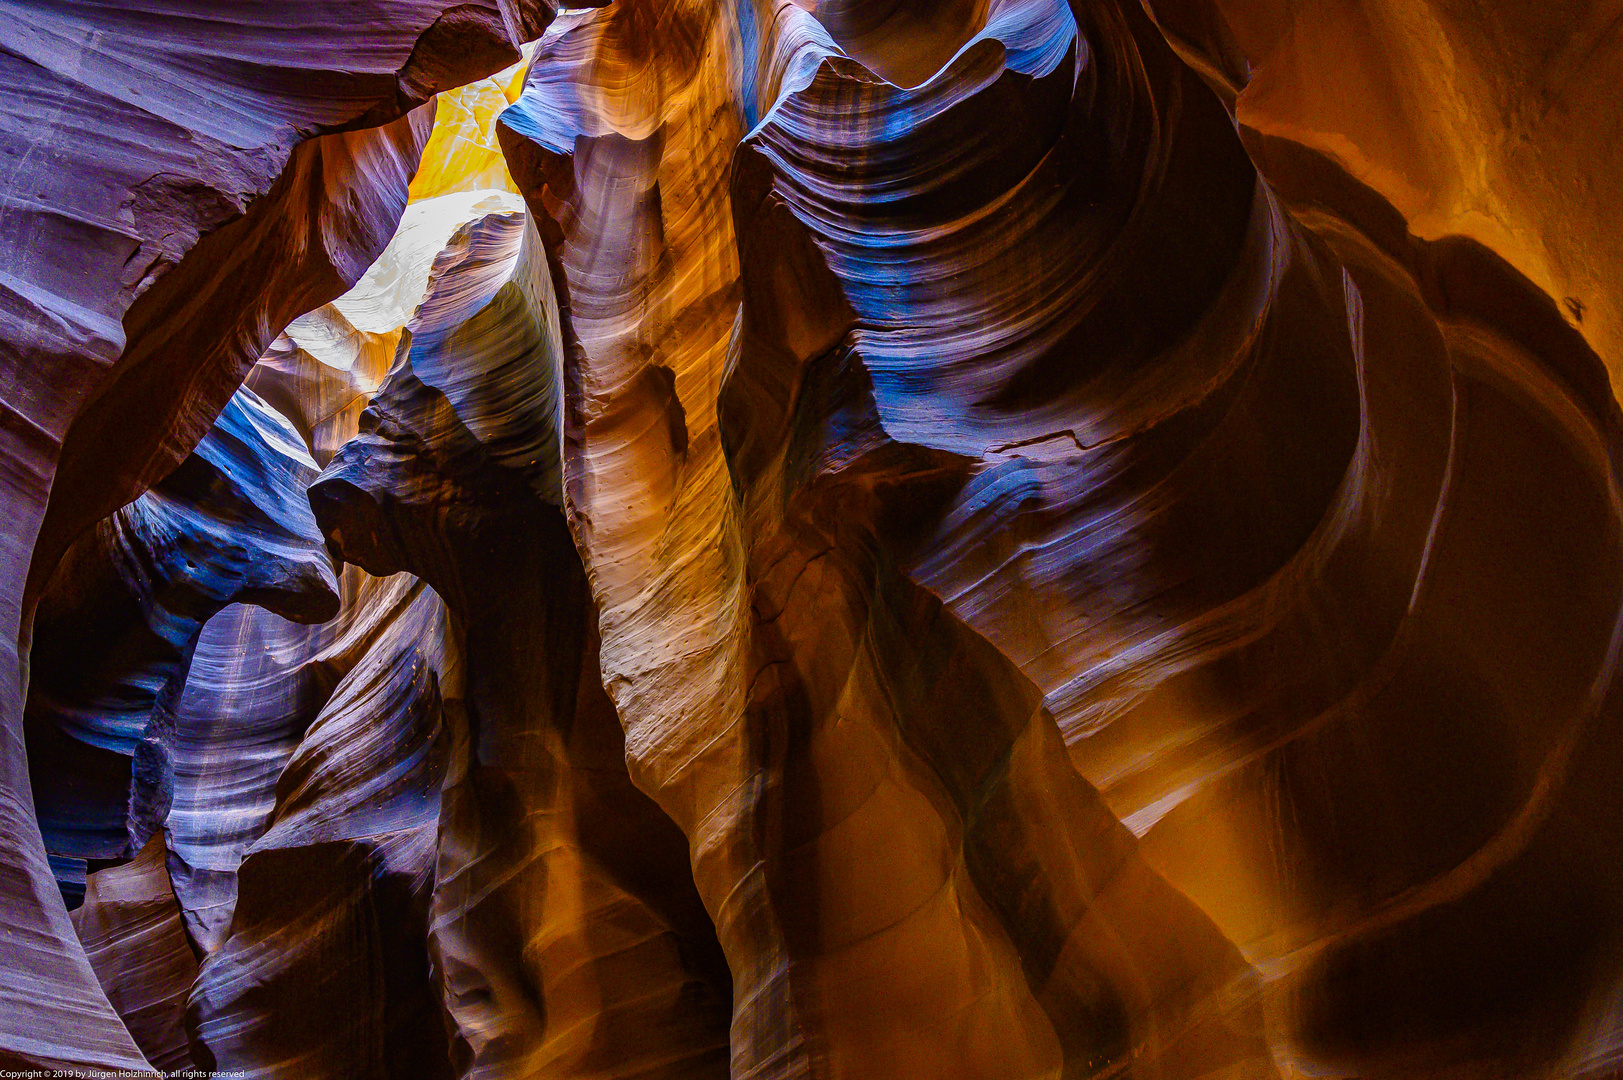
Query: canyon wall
793, 538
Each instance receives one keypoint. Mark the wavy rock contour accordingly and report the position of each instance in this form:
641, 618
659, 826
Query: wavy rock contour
1042, 417
207, 160
997, 538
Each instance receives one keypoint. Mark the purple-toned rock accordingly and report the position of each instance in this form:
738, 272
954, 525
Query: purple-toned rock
115, 632
182, 180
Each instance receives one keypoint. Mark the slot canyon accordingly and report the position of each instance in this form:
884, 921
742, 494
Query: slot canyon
821, 539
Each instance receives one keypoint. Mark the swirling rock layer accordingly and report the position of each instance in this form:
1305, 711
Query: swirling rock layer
563, 921
993, 539
1043, 419
182, 180
115, 637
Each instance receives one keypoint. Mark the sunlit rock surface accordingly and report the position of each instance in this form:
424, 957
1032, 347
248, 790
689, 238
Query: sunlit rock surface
564, 920
814, 539
181, 181
1494, 122
1043, 419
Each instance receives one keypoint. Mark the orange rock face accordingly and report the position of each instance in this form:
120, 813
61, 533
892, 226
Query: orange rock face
793, 538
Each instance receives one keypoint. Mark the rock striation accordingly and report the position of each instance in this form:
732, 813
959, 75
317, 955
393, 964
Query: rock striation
790, 538
1044, 418
183, 180
563, 921
115, 632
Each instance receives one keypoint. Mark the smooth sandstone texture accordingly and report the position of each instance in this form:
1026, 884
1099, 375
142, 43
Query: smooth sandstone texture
337, 782
1041, 417
179, 182
1493, 122
115, 634
564, 921
299, 765
862, 778
325, 969
131, 928
925, 539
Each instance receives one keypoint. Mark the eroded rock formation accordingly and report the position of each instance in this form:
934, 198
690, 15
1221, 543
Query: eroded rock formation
564, 920
182, 181
115, 632
806, 539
